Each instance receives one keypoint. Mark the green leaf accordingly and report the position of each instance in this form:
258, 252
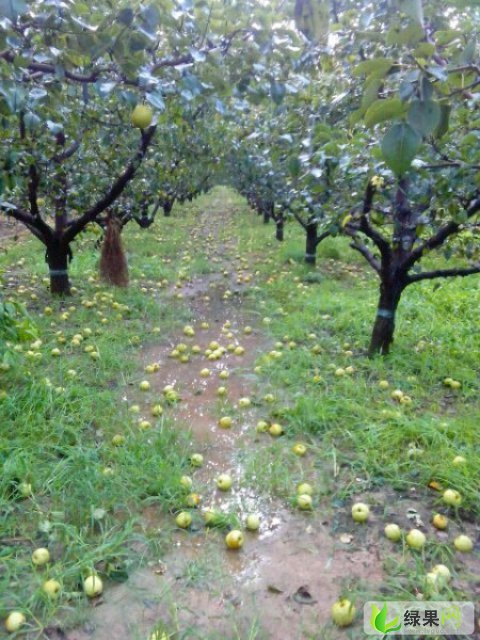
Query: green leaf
382, 110
438, 72
37, 93
156, 100
406, 90
377, 68
393, 625
370, 93
410, 35
54, 127
413, 9
426, 89
443, 38
31, 120
468, 53
104, 88
355, 117
192, 84
126, 16
294, 166
11, 9
424, 50
137, 42
16, 100
469, 140
312, 18
399, 146
424, 116
371, 36
277, 92
151, 18
444, 123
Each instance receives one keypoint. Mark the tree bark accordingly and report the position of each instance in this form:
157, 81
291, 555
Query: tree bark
311, 231
57, 257
384, 326
167, 208
266, 214
279, 230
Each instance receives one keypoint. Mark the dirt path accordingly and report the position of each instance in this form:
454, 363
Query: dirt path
283, 582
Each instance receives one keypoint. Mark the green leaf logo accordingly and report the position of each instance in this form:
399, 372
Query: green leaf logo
379, 622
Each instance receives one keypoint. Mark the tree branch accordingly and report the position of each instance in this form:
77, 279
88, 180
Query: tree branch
439, 238
366, 228
156, 208
42, 229
188, 58
362, 248
25, 218
49, 69
322, 237
115, 191
36, 233
473, 207
446, 165
32, 190
275, 216
465, 67
66, 153
18, 214
443, 273
299, 220
61, 186
367, 254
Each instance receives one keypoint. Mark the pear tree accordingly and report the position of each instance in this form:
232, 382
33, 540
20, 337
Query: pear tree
418, 77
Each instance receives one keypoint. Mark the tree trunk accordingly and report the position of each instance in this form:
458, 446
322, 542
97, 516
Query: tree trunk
266, 214
57, 258
384, 326
279, 230
167, 208
311, 243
